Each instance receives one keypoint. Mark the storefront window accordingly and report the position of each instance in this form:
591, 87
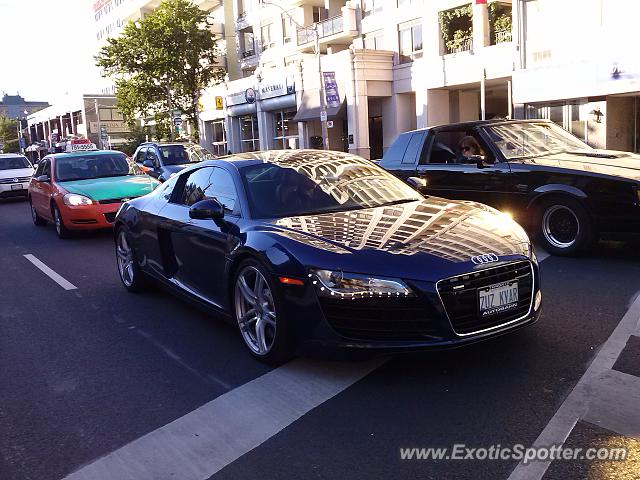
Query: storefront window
249, 130
286, 129
219, 138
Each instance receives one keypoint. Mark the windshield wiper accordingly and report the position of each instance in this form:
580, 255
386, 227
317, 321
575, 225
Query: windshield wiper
397, 202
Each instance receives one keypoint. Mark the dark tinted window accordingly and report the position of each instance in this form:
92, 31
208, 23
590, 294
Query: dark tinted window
413, 148
83, 167
279, 191
194, 188
46, 170
395, 153
151, 155
39, 169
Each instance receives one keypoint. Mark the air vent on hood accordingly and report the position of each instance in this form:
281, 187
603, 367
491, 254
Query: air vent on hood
594, 154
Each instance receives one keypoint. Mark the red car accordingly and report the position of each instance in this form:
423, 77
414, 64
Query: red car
83, 190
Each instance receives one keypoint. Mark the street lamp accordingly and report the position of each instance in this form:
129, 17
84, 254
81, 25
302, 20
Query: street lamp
323, 100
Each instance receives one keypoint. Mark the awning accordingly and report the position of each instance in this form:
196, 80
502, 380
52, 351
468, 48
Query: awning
309, 108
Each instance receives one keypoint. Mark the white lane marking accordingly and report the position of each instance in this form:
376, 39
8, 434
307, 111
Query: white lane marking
59, 279
199, 444
576, 404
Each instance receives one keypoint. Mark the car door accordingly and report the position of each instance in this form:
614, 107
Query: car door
41, 191
200, 247
450, 175
140, 157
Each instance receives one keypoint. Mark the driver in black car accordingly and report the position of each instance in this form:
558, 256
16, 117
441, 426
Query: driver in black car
469, 147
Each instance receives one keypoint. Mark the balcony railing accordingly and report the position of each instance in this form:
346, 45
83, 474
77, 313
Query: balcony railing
503, 36
326, 28
466, 44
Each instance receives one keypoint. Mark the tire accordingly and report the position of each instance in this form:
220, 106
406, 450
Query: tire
37, 219
62, 231
255, 305
563, 227
132, 277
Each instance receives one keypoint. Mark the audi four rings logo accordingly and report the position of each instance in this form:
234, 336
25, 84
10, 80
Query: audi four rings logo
484, 258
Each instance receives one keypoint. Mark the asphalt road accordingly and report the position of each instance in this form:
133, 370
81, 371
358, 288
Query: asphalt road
85, 372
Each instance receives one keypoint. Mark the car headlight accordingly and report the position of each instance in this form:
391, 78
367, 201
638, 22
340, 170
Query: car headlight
330, 283
74, 200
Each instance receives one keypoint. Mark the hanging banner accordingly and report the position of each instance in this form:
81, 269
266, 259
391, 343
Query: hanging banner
331, 89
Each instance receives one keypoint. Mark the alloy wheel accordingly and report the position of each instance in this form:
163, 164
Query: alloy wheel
34, 215
57, 220
124, 255
560, 226
255, 310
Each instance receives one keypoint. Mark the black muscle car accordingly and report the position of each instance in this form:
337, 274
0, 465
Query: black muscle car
325, 250
566, 193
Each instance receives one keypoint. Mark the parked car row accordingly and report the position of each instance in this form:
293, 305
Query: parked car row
313, 250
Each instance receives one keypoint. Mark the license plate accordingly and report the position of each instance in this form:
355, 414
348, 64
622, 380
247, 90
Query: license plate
498, 298
16, 187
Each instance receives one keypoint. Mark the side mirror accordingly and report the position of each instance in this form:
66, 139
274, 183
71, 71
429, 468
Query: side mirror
43, 178
419, 184
480, 163
210, 209
148, 164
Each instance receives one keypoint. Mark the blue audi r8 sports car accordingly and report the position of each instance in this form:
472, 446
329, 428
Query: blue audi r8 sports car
310, 250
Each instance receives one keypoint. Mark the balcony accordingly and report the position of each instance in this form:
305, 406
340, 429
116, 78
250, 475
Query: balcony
503, 36
340, 29
465, 44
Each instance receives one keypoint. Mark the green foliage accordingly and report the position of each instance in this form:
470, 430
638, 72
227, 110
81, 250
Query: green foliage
11, 146
9, 135
456, 25
500, 19
162, 63
135, 137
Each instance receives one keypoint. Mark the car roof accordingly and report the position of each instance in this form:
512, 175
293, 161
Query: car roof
11, 155
165, 144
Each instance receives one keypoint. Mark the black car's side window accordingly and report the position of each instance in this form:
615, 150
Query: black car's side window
195, 186
413, 148
151, 155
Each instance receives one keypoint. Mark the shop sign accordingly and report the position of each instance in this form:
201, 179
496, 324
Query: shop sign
219, 103
277, 87
250, 95
331, 89
238, 91
112, 126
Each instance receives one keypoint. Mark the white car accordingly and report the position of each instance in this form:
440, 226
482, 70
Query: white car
15, 173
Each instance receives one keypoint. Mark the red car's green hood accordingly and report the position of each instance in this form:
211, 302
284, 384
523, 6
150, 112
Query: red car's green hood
112, 187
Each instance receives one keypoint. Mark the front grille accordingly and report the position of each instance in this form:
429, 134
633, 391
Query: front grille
84, 222
380, 318
110, 201
460, 296
110, 217
5, 181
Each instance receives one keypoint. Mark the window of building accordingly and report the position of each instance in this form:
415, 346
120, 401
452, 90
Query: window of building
218, 138
292, 60
266, 36
404, 3
374, 40
286, 129
247, 43
319, 14
249, 133
288, 28
410, 36
371, 7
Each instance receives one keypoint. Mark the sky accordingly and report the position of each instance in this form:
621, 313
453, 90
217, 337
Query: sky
46, 48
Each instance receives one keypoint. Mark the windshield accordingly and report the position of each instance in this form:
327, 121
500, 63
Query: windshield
519, 140
181, 154
279, 191
14, 163
83, 167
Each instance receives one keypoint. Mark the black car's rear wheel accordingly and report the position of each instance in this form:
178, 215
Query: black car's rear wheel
255, 306
132, 277
564, 227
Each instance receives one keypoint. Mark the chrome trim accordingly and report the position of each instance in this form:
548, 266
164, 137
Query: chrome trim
190, 291
495, 327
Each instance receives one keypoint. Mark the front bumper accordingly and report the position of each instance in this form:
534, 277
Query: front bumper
11, 190
411, 324
89, 217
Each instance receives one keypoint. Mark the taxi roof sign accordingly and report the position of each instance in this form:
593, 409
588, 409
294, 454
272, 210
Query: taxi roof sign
80, 145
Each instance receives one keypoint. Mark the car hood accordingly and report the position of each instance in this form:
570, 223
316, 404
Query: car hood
604, 162
111, 187
16, 173
175, 168
425, 239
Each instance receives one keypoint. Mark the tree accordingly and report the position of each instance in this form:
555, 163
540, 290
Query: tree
9, 135
163, 62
